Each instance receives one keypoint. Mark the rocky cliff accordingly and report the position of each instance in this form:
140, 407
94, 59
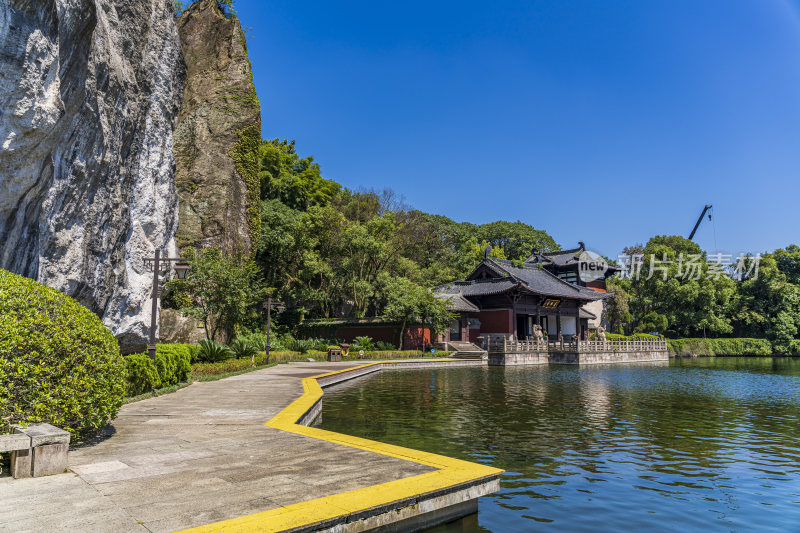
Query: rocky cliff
89, 92
218, 134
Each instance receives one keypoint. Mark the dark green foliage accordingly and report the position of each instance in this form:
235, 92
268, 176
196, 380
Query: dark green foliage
142, 374
297, 182
324, 248
385, 346
58, 362
362, 343
220, 290
172, 365
213, 352
245, 156
185, 350
302, 346
517, 239
652, 321
243, 350
696, 347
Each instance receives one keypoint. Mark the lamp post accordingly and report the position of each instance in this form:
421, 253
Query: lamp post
279, 306
181, 269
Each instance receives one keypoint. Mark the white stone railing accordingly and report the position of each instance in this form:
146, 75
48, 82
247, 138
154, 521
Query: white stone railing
504, 345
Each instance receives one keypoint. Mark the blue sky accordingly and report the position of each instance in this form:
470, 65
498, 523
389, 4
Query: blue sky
602, 121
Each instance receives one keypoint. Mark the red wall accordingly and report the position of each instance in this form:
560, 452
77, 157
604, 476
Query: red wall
390, 334
413, 337
379, 333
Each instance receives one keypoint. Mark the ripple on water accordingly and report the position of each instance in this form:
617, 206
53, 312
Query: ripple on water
711, 445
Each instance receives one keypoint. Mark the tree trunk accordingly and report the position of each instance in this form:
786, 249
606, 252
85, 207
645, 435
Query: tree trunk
402, 335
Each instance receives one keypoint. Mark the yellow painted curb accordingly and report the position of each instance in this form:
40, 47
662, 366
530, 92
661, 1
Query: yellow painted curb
450, 472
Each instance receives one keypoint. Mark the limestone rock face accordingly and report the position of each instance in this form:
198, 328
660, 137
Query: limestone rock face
89, 93
218, 134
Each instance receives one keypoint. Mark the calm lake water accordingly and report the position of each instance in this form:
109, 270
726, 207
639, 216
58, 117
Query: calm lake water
709, 444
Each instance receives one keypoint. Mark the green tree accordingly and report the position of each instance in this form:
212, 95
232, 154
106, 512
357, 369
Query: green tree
769, 305
221, 291
788, 262
676, 282
405, 302
295, 181
518, 239
618, 313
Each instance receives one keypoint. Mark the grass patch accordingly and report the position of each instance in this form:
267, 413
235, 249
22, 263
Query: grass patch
223, 375
233, 367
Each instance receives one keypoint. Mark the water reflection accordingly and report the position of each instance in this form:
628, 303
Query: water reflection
695, 444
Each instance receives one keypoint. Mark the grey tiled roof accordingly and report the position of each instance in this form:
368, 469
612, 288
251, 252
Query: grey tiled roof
559, 258
563, 258
457, 302
541, 281
479, 287
583, 313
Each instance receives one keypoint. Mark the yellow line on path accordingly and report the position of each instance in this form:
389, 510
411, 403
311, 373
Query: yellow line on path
451, 472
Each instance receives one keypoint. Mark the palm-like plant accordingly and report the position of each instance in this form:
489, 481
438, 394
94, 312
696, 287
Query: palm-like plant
241, 348
301, 345
364, 343
212, 352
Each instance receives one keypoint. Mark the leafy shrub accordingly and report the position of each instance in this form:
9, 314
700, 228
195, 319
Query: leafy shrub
363, 343
58, 362
695, 347
212, 352
142, 374
321, 345
170, 367
201, 370
385, 346
242, 349
303, 346
189, 350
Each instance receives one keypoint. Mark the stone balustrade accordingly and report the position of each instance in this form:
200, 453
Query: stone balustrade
505, 345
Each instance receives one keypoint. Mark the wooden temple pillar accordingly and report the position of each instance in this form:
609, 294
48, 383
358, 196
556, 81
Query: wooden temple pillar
558, 326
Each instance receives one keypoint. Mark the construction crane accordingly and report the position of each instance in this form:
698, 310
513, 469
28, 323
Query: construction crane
699, 220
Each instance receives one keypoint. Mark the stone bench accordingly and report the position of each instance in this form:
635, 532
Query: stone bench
37, 450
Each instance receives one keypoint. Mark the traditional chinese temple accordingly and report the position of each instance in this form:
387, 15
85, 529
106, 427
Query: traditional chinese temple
499, 298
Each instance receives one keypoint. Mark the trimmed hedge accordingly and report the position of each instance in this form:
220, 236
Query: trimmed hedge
171, 366
700, 347
635, 336
58, 362
189, 350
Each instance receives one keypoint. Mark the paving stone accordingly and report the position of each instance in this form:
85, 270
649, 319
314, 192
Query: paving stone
194, 457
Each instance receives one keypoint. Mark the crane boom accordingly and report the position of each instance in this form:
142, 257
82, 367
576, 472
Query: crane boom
699, 220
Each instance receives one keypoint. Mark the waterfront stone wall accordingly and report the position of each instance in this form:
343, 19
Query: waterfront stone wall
585, 358
574, 358
514, 359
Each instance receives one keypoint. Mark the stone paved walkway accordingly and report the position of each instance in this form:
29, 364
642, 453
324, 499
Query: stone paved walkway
197, 456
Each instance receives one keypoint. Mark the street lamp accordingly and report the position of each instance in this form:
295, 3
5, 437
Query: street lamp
181, 269
268, 305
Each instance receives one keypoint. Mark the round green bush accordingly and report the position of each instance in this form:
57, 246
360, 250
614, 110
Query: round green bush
58, 362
